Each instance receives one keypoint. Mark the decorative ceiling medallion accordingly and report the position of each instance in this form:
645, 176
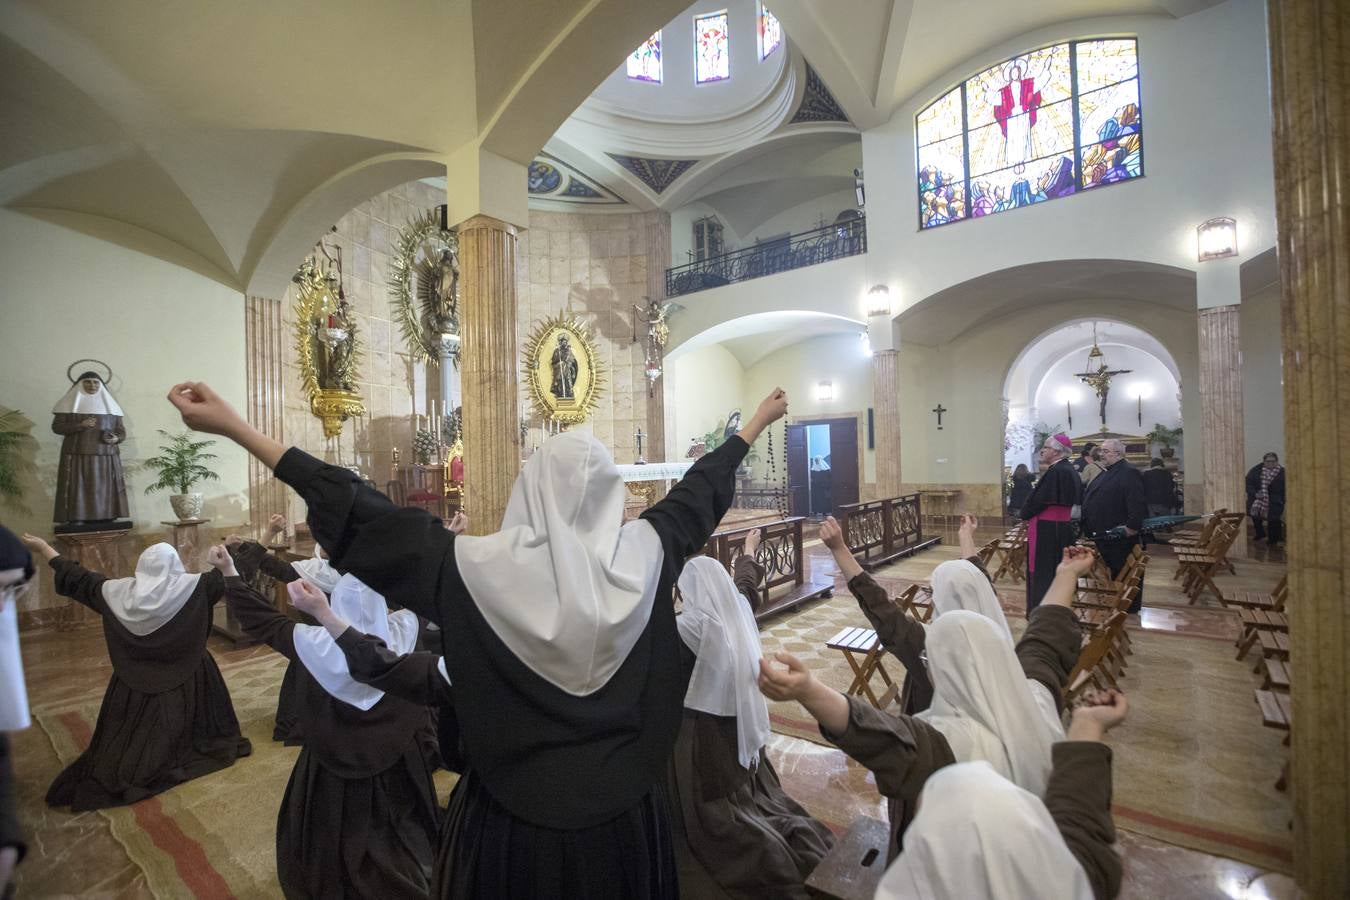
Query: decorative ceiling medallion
818, 104
657, 174
549, 178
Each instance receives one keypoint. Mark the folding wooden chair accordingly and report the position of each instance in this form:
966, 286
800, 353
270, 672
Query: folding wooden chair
1090, 668
862, 648
1011, 550
1255, 621
1197, 568
1272, 602
1277, 712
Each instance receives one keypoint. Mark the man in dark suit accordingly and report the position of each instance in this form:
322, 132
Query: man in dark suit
1115, 498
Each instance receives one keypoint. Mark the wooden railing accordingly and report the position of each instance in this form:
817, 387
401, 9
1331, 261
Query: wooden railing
879, 531
787, 580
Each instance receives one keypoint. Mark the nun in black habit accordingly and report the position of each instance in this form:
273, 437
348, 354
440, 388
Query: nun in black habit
1048, 513
560, 640
166, 716
359, 815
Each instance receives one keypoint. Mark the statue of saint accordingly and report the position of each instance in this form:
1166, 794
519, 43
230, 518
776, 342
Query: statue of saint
733, 424
564, 365
89, 483
337, 336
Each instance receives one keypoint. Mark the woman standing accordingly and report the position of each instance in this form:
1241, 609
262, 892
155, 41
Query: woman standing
560, 640
1265, 499
166, 716
1022, 483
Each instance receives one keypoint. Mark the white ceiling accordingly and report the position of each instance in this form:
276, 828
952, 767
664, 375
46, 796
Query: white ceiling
751, 338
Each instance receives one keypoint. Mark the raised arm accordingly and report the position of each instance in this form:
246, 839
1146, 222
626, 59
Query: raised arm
686, 517
1078, 794
416, 677
396, 551
899, 634
747, 573
1050, 646
72, 579
256, 616
252, 557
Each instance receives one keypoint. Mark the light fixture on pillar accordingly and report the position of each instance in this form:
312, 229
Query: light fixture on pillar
1216, 239
858, 190
824, 391
878, 300
1068, 396
1140, 391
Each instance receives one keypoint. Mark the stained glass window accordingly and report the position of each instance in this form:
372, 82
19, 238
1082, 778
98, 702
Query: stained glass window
712, 62
644, 63
1044, 124
770, 32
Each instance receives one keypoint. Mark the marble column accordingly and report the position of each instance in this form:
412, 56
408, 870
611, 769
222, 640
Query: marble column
1221, 410
886, 421
1309, 56
489, 368
264, 334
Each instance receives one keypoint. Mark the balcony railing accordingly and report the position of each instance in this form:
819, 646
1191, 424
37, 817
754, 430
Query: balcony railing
797, 251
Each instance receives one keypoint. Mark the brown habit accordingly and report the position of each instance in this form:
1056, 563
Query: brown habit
89, 482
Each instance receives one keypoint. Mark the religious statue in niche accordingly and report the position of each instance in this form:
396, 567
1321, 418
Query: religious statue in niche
654, 314
562, 370
327, 342
564, 364
91, 492
424, 289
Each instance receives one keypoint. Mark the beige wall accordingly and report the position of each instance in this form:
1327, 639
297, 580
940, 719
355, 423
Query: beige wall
68, 296
596, 266
707, 383
1262, 376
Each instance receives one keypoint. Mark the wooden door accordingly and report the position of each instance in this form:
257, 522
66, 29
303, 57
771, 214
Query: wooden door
799, 490
843, 461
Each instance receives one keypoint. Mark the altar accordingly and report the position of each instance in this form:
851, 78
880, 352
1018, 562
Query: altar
650, 481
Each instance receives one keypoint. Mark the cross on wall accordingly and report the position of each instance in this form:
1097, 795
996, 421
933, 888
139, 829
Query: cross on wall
939, 409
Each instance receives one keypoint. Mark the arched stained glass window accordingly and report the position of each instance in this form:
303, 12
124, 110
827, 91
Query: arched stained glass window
1045, 124
712, 61
644, 63
770, 32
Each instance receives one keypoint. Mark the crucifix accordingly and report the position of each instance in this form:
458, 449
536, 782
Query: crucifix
638, 436
939, 409
1099, 379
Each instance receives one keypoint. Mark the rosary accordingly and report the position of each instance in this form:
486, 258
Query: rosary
780, 494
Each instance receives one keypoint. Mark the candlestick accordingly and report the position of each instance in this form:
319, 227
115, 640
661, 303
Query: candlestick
1140, 399
1068, 411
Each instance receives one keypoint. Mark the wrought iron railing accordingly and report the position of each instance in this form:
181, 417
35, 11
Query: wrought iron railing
797, 251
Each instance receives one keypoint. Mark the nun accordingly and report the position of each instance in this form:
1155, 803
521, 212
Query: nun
560, 639
991, 701
737, 833
16, 575
89, 482
252, 558
957, 584
979, 835
166, 716
359, 815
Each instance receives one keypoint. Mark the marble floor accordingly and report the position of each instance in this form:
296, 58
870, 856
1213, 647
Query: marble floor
77, 855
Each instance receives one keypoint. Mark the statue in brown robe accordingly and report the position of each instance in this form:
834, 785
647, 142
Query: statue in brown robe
89, 483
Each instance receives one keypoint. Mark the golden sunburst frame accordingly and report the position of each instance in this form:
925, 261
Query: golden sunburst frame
326, 378
563, 370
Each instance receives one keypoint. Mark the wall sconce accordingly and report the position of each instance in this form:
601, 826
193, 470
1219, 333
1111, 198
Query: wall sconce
866, 344
1216, 239
1067, 396
858, 191
1140, 390
878, 300
824, 391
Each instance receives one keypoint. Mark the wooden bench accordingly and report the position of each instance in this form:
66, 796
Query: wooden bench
1254, 622
1277, 711
854, 866
1277, 676
1274, 645
862, 648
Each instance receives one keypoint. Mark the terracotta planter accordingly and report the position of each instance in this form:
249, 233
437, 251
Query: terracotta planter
186, 506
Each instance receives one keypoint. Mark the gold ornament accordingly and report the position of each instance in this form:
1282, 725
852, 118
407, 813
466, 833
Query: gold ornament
563, 369
424, 289
328, 349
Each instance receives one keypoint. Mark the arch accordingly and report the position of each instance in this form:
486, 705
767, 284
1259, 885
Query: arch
787, 326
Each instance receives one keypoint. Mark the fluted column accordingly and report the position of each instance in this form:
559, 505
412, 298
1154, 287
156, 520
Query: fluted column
264, 333
488, 368
1309, 56
1221, 409
886, 420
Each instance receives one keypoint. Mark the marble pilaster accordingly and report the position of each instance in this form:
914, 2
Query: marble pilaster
886, 421
264, 340
1309, 56
1221, 406
488, 368
191, 541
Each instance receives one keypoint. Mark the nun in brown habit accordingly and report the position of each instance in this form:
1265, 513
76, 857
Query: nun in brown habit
359, 815
166, 716
737, 833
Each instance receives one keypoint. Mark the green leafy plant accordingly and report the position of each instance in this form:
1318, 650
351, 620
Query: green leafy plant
1043, 433
1161, 434
10, 437
714, 439
179, 464
424, 446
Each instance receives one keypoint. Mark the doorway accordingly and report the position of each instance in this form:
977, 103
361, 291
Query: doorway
822, 464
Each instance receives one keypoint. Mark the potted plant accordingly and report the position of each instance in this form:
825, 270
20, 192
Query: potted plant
1167, 437
179, 466
10, 437
717, 437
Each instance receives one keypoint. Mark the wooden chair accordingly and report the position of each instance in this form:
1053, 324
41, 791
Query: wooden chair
1092, 667
1277, 676
1272, 602
1011, 550
917, 601
1197, 568
1255, 621
862, 648
854, 866
1277, 712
